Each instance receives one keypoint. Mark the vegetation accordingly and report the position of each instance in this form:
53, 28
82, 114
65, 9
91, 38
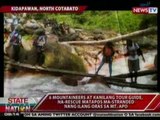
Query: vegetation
147, 42
118, 21
27, 37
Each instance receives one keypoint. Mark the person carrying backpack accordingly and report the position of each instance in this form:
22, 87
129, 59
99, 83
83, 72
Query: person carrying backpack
16, 43
108, 53
133, 53
39, 44
15, 21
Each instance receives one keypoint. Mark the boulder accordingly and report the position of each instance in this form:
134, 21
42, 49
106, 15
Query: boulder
70, 80
97, 31
69, 37
31, 26
98, 37
72, 31
39, 31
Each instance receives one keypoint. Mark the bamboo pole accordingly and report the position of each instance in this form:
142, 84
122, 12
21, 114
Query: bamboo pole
107, 80
151, 30
141, 73
59, 71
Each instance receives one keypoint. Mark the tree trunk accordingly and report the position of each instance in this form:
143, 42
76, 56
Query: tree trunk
151, 30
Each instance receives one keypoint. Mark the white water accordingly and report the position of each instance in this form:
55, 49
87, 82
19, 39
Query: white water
38, 85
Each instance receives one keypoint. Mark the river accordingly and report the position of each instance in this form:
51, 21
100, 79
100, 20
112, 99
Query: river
37, 85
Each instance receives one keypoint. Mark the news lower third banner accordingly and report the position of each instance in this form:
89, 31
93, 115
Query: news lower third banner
82, 103
35, 9
67, 9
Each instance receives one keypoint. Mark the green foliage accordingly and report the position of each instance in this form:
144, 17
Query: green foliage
36, 16
148, 21
27, 37
128, 22
118, 21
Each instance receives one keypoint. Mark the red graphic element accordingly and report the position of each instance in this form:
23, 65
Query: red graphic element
97, 102
35, 9
5, 9
145, 10
140, 10
155, 104
2, 109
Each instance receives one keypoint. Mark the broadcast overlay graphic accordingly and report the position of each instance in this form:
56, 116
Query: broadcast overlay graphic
34, 9
74, 103
79, 62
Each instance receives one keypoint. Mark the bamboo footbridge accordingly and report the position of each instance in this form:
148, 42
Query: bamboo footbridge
118, 80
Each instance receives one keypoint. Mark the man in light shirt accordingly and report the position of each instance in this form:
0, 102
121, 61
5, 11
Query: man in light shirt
133, 53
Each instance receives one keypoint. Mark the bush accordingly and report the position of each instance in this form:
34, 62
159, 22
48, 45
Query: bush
148, 21
147, 42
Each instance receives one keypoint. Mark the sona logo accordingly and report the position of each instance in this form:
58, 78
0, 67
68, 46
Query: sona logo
17, 105
145, 10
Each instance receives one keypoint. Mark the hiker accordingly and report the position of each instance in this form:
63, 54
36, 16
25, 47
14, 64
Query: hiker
14, 23
39, 44
6, 34
133, 52
62, 28
108, 52
46, 22
56, 28
16, 43
155, 67
155, 61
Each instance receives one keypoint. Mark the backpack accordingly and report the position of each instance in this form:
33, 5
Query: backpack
108, 52
139, 51
15, 38
41, 41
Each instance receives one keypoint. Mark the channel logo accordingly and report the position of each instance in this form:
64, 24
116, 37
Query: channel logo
145, 10
18, 105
